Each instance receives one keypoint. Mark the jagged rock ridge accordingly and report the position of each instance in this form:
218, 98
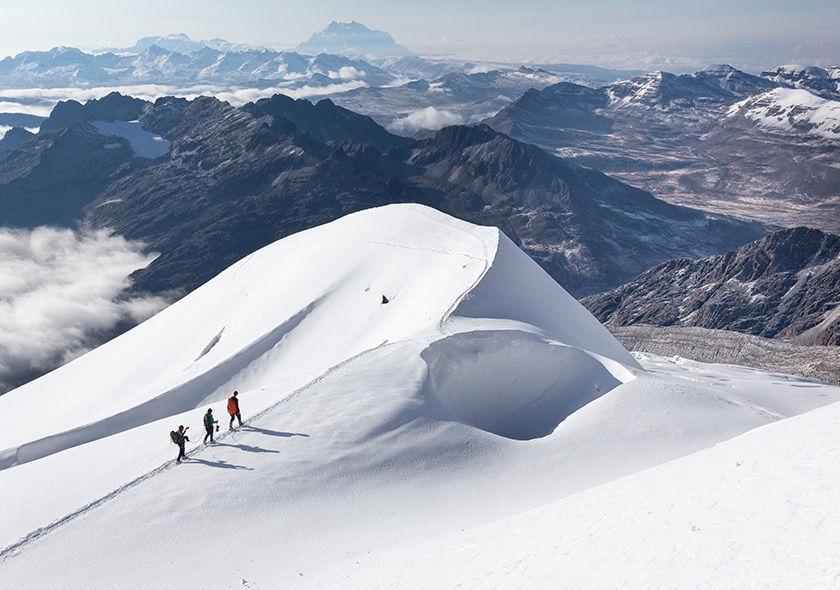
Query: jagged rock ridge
785, 286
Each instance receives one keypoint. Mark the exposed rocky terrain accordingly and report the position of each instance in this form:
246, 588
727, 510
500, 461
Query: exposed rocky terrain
235, 179
760, 147
733, 348
786, 286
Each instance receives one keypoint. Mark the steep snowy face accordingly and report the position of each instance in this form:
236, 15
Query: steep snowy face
313, 301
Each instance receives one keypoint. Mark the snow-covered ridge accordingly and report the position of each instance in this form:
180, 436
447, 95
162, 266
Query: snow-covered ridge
440, 277
406, 380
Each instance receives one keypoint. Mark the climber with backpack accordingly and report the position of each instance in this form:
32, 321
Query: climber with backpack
180, 438
233, 408
209, 421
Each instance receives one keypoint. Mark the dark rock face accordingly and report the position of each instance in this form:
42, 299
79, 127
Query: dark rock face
14, 137
48, 179
114, 106
237, 179
786, 285
572, 106
585, 228
323, 121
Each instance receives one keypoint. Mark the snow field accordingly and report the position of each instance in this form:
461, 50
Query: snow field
471, 432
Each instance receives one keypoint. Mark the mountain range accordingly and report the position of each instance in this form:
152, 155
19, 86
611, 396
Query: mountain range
758, 147
783, 286
230, 180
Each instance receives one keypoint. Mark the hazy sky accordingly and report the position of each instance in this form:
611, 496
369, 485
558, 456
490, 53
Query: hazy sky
641, 34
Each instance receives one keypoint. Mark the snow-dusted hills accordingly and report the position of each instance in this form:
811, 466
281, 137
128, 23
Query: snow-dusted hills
207, 69
759, 147
423, 407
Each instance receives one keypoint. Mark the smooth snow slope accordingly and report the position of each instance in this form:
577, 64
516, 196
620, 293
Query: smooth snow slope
480, 390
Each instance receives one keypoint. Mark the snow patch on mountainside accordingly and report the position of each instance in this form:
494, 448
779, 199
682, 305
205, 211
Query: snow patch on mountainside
145, 144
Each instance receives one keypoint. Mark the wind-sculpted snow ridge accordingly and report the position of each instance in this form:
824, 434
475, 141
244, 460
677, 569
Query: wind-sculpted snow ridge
315, 299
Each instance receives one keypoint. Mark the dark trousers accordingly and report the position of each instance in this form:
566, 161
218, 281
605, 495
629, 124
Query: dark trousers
237, 416
210, 434
182, 453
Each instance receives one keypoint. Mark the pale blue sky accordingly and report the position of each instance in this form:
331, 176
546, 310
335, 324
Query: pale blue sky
644, 34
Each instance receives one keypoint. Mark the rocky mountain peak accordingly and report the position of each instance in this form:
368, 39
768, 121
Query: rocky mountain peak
114, 106
784, 285
735, 81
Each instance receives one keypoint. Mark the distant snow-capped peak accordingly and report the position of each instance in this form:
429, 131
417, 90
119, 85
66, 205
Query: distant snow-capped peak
353, 40
181, 43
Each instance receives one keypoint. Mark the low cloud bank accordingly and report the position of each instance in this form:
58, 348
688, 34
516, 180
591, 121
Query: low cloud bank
60, 296
430, 119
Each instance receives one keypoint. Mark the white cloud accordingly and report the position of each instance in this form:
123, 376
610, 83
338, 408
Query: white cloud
47, 98
429, 118
60, 293
348, 73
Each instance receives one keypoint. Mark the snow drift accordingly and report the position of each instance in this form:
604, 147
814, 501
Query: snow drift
404, 376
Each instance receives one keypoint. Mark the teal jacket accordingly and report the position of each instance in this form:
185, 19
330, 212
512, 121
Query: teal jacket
209, 421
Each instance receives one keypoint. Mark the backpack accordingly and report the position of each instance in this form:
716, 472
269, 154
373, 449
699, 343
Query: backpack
233, 406
208, 421
175, 436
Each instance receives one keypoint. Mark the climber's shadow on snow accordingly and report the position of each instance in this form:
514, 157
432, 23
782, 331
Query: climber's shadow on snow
218, 464
246, 448
273, 432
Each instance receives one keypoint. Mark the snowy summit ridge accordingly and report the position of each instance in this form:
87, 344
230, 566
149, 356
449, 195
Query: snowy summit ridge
408, 382
445, 282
